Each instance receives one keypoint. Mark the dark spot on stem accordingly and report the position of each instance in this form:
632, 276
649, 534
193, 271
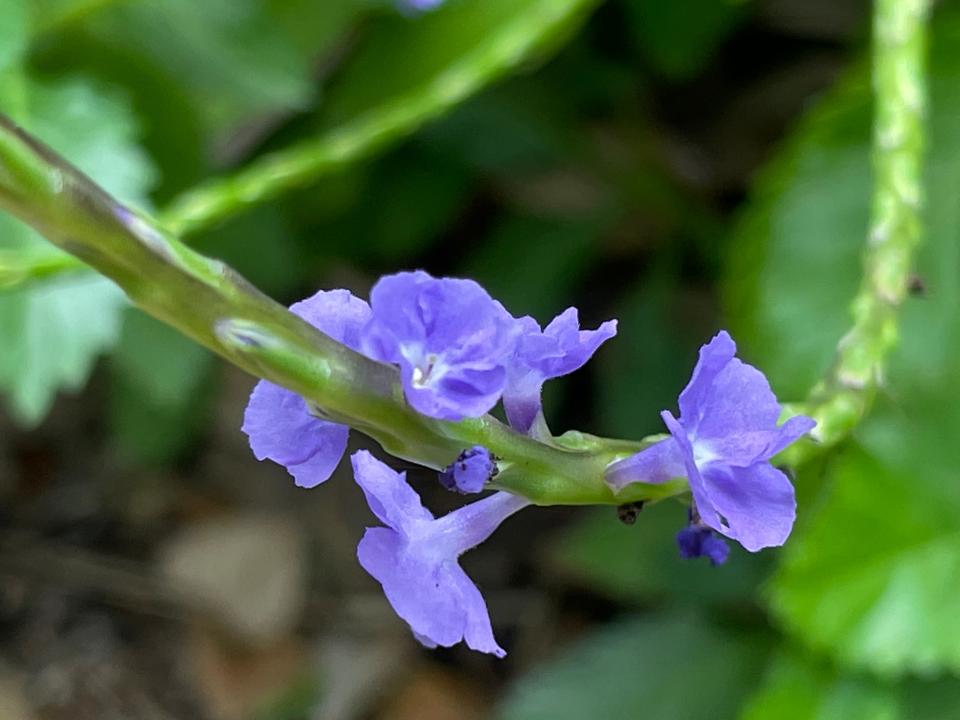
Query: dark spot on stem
916, 287
628, 512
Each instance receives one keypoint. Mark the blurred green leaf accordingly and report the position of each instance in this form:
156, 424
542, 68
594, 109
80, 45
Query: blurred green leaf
931, 699
873, 572
53, 334
507, 130
14, 31
555, 257
262, 246
402, 55
793, 264
161, 380
55, 330
312, 26
796, 688
681, 37
232, 56
644, 371
408, 199
679, 668
641, 563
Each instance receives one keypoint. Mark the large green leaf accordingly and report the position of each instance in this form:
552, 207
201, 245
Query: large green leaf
54, 330
797, 688
679, 668
801, 687
875, 575
873, 572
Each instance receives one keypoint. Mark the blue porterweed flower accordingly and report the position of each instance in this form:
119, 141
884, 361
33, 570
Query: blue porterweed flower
414, 558
451, 340
542, 355
471, 470
722, 444
278, 422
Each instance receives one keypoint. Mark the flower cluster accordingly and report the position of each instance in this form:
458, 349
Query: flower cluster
459, 353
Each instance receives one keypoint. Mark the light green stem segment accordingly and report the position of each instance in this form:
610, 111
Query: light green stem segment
212, 304
843, 397
305, 162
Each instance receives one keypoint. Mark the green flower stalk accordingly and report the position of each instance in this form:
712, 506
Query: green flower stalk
844, 396
211, 303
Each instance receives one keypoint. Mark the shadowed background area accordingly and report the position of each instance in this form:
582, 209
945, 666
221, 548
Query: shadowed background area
679, 166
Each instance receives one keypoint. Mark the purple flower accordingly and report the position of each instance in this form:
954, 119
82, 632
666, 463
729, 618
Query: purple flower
697, 541
278, 422
451, 340
546, 354
470, 471
722, 444
414, 558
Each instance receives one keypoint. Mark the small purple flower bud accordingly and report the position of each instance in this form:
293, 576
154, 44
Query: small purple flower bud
699, 541
451, 340
415, 557
723, 442
471, 470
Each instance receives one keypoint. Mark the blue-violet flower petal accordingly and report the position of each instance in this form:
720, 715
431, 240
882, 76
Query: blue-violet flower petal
722, 443
559, 349
277, 421
415, 557
451, 340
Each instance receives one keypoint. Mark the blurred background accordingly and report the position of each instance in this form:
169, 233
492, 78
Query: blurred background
681, 166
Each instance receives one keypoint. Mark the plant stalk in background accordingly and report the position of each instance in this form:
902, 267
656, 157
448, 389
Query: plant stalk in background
843, 397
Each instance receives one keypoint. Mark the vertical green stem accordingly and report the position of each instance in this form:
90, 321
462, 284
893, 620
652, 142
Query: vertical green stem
899, 52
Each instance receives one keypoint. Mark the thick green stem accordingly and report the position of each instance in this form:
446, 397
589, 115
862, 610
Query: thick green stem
212, 304
843, 397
